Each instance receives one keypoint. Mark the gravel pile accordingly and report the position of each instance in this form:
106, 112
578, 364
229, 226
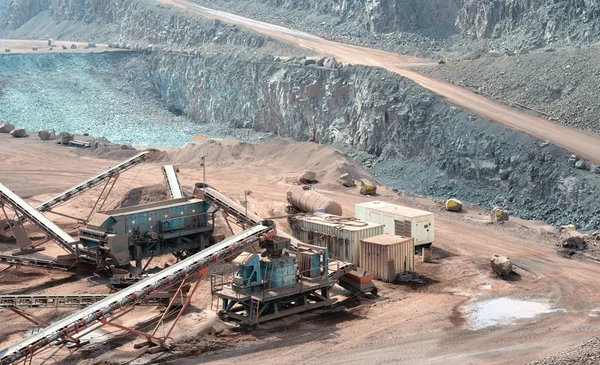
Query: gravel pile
586, 354
562, 85
98, 95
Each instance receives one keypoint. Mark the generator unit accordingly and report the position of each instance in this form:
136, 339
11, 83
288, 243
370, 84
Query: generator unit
114, 238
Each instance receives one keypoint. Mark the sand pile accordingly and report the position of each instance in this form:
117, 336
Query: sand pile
278, 155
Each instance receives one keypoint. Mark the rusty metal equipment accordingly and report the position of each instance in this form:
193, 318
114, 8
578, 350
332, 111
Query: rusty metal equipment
191, 269
114, 238
278, 283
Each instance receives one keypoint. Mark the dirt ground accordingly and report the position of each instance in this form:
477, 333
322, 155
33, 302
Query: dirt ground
430, 323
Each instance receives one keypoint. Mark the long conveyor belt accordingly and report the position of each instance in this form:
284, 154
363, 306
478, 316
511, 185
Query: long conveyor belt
127, 298
88, 184
93, 181
61, 301
7, 197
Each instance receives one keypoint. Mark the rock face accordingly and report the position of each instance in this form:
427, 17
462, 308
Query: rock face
518, 23
6, 127
412, 140
161, 26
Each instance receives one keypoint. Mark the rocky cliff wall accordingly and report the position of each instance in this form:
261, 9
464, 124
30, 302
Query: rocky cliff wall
411, 139
503, 23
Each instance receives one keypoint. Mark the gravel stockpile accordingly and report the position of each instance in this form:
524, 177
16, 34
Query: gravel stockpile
92, 93
562, 85
586, 354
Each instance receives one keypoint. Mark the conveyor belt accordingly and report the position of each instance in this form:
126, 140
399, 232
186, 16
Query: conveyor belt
93, 181
23, 209
31, 262
88, 184
173, 187
216, 198
62, 301
81, 320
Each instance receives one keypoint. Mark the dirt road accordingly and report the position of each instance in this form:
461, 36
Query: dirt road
585, 144
426, 325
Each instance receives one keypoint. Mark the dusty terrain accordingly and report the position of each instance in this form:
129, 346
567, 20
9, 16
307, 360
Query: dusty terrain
411, 325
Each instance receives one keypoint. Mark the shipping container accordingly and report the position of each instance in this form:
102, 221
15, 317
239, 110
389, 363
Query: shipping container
341, 235
387, 256
399, 220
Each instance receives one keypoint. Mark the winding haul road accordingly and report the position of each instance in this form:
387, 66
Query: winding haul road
585, 144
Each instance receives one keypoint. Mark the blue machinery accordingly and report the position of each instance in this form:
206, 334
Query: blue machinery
194, 268
288, 277
182, 227
277, 283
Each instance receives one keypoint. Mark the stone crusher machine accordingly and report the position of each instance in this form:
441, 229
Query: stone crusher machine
181, 227
279, 282
113, 238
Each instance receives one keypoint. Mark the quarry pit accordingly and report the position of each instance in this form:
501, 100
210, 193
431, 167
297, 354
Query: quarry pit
247, 107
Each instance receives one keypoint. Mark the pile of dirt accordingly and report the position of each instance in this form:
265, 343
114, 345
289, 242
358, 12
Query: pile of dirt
586, 354
279, 156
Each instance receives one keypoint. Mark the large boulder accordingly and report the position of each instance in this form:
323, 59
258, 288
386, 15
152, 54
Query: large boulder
47, 135
501, 265
573, 240
64, 138
347, 180
19, 132
6, 127
308, 177
499, 215
453, 205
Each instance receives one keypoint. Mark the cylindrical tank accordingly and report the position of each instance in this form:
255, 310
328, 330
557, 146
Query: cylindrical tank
309, 201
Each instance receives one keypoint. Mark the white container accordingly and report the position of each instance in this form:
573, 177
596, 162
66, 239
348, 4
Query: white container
387, 255
399, 220
340, 235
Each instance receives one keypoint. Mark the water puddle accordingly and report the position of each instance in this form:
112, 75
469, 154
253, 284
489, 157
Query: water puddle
503, 311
